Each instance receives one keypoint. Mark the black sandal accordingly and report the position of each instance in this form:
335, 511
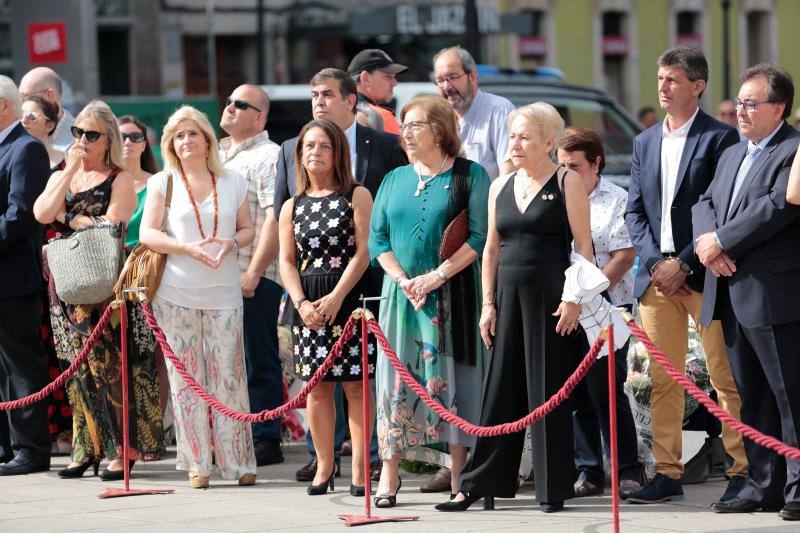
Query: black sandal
391, 498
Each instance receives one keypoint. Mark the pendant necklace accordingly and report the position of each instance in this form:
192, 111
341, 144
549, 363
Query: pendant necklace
421, 183
526, 190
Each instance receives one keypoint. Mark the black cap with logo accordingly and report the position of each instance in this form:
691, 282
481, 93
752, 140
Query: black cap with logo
371, 59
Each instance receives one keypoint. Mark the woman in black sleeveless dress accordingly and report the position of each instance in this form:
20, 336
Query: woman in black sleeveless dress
533, 215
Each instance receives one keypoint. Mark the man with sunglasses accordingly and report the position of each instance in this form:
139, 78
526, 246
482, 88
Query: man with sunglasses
24, 169
249, 151
747, 237
372, 154
482, 115
45, 82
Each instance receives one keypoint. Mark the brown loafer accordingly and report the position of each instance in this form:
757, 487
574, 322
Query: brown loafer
247, 480
196, 481
585, 488
440, 482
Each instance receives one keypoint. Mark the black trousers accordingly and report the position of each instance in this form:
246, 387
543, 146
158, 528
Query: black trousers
766, 368
590, 418
23, 371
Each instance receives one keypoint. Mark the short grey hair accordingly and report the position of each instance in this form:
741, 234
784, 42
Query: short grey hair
467, 61
543, 116
374, 118
9, 91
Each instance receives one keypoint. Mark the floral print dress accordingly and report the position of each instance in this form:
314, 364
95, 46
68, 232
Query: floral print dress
326, 242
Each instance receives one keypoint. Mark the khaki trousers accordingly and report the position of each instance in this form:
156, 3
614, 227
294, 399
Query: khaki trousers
666, 321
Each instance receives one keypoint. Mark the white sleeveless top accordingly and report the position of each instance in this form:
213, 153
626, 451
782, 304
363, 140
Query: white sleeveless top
188, 282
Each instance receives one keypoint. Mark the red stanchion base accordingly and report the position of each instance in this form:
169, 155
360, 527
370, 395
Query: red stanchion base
121, 493
363, 520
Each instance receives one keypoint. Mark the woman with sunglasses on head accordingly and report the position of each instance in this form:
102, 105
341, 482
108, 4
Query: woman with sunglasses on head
40, 117
93, 188
199, 301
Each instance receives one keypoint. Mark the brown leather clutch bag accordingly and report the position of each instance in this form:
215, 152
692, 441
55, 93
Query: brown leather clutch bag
455, 234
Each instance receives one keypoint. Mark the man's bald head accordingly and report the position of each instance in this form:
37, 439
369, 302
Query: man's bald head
41, 81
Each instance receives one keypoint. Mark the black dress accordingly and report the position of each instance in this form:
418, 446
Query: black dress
529, 361
326, 242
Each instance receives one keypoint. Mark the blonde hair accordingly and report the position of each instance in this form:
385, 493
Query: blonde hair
187, 112
543, 116
99, 111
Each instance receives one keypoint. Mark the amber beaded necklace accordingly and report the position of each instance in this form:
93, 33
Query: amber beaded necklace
194, 204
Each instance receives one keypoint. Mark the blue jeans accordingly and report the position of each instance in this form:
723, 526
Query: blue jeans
264, 369
341, 429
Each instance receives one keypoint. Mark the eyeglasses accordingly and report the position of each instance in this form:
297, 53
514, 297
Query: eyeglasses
135, 137
413, 127
750, 105
30, 116
241, 105
452, 78
91, 136
25, 96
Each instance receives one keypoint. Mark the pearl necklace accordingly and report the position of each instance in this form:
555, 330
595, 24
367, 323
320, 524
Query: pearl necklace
421, 183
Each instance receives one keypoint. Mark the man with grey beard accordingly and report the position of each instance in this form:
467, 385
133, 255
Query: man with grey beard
482, 116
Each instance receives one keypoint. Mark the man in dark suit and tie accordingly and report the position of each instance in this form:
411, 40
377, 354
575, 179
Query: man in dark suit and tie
748, 237
372, 154
673, 164
24, 168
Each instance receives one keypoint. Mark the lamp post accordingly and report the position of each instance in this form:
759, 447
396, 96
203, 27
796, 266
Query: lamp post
726, 53
472, 38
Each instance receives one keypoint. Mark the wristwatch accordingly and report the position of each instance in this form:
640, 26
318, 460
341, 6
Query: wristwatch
441, 274
684, 265
299, 302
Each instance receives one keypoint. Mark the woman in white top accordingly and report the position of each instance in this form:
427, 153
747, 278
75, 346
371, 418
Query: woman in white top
199, 301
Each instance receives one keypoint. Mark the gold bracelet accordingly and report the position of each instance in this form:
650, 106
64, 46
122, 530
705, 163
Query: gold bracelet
488, 304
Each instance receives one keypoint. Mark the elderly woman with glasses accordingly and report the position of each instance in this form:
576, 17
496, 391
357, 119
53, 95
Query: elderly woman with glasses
430, 310
94, 188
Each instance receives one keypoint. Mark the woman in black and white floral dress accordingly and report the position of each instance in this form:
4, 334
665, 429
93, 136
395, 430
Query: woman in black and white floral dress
323, 241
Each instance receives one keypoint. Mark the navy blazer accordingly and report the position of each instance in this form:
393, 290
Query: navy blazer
24, 169
376, 154
706, 141
761, 234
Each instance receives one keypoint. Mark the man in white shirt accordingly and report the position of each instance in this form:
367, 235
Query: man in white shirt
45, 82
673, 164
251, 153
482, 115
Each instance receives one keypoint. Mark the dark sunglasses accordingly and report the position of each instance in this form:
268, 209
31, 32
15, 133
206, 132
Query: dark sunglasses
241, 105
91, 136
135, 137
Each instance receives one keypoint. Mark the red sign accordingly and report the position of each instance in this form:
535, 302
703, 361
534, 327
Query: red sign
615, 45
532, 46
47, 42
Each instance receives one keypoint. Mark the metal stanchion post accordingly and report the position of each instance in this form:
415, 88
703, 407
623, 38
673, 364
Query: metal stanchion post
367, 518
123, 325
612, 425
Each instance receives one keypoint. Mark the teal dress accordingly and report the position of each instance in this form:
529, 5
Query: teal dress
132, 234
411, 227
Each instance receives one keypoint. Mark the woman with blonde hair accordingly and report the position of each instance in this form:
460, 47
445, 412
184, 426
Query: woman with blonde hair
534, 214
430, 307
93, 188
199, 301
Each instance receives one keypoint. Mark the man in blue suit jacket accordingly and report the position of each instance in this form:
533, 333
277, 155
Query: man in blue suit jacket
24, 168
748, 236
375, 153
673, 163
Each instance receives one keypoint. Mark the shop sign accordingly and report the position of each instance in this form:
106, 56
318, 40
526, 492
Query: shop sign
47, 42
615, 45
318, 17
442, 19
532, 46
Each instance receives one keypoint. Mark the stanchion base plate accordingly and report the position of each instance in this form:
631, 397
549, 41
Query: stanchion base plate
363, 520
121, 493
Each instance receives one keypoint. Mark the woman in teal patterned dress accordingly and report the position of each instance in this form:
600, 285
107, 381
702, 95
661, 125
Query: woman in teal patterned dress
425, 295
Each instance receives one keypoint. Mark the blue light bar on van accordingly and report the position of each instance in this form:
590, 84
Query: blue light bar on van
488, 71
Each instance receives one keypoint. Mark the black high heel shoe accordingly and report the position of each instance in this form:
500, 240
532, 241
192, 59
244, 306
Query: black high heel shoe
390, 498
551, 507
78, 471
115, 475
357, 490
463, 505
322, 488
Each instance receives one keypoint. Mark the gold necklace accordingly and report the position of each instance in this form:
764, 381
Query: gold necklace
421, 183
525, 192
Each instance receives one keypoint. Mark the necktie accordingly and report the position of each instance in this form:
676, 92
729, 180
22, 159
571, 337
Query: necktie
752, 154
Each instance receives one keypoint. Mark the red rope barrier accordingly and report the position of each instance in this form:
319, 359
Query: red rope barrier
214, 403
487, 431
66, 374
740, 427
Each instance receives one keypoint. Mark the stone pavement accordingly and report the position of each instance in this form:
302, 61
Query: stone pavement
43, 503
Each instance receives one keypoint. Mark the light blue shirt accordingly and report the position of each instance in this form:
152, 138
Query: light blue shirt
5, 132
484, 133
350, 134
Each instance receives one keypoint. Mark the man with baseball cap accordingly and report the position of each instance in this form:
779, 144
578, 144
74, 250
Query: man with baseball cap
375, 75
